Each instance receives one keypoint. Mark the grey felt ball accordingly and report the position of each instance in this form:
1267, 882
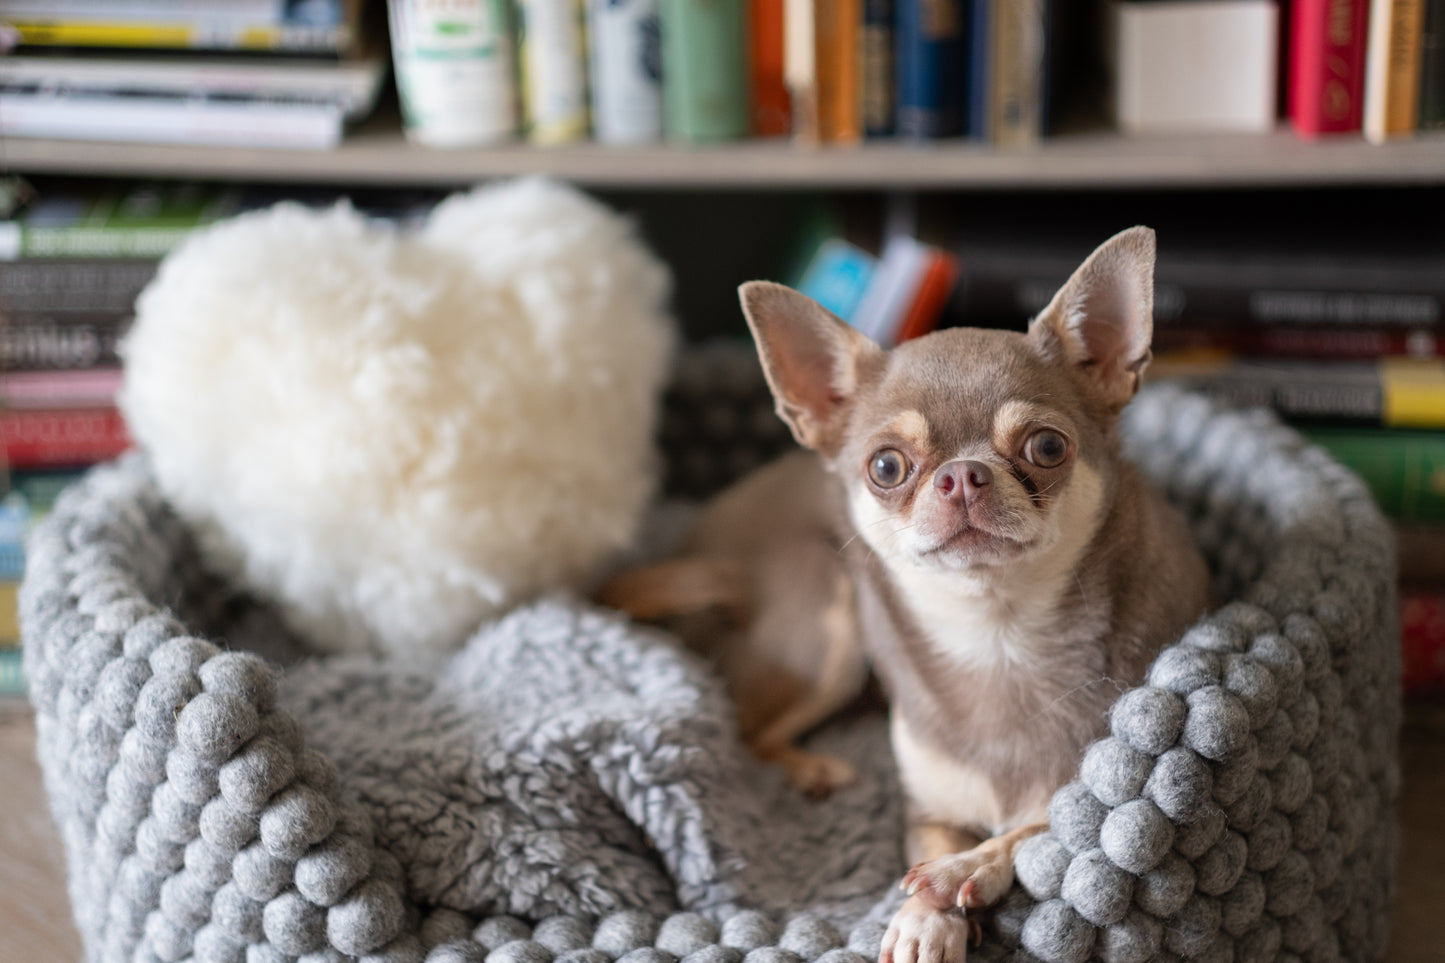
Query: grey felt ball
1097, 888
1055, 933
623, 932
809, 937
561, 934
497, 931
1148, 718
749, 930
1136, 835
685, 933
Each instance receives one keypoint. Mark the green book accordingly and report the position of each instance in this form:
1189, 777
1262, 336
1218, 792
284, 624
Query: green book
704, 69
140, 222
12, 679
1432, 67
1404, 469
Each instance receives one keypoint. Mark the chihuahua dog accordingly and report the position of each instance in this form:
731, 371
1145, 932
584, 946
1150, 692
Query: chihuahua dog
964, 525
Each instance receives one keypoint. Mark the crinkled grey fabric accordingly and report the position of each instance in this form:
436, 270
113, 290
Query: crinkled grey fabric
568, 787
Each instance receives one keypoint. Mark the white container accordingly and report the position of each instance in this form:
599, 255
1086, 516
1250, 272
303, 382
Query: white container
626, 71
1196, 65
454, 71
554, 70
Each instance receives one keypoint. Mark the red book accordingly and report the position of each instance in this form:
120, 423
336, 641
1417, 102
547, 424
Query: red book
1327, 65
52, 437
1422, 640
939, 277
771, 106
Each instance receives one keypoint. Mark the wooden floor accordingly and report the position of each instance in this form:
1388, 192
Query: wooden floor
35, 921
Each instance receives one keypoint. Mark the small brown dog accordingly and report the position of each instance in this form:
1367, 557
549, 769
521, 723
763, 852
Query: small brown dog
965, 525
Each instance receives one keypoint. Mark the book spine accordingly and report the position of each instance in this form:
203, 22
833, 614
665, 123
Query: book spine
1392, 69
1422, 640
1004, 289
800, 68
1432, 67
554, 69
626, 70
1016, 94
19, 240
454, 71
56, 286
877, 69
704, 70
89, 387
931, 46
220, 122
1311, 342
1391, 393
12, 677
186, 33
1400, 468
837, 36
56, 437
1327, 65
770, 104
44, 343
980, 71
933, 291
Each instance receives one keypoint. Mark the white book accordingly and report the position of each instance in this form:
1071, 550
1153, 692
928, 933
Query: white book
800, 67
354, 85
1392, 69
892, 289
310, 125
115, 11
626, 70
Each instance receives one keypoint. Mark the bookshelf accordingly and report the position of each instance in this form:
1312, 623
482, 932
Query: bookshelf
376, 153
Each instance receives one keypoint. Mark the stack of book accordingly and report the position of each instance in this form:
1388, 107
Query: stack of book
72, 264
71, 267
251, 73
891, 297
1344, 338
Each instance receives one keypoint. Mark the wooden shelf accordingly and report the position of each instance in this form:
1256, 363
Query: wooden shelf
377, 154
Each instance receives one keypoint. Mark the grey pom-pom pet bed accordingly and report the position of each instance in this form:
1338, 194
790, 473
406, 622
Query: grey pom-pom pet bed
568, 787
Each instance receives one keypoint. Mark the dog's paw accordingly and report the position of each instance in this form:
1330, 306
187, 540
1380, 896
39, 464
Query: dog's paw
811, 773
922, 933
974, 879
817, 775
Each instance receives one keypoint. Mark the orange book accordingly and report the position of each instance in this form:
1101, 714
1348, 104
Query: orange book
770, 106
933, 290
838, 39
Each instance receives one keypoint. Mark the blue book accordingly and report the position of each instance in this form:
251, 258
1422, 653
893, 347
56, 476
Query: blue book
931, 53
980, 71
879, 75
837, 276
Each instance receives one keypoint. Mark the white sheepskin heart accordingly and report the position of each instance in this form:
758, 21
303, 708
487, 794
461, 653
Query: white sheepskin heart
396, 436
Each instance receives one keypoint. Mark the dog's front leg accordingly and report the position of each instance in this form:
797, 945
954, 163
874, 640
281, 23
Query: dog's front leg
954, 873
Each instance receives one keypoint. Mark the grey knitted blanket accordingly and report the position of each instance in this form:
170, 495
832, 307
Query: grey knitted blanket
569, 786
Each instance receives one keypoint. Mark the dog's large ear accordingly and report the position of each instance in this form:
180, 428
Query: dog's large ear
814, 361
1102, 319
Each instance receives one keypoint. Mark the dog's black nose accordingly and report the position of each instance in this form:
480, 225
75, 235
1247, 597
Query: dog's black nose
962, 479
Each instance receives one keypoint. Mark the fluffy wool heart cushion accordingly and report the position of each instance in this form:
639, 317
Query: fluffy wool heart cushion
395, 436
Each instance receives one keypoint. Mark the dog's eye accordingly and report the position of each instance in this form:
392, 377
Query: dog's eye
1046, 448
888, 468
